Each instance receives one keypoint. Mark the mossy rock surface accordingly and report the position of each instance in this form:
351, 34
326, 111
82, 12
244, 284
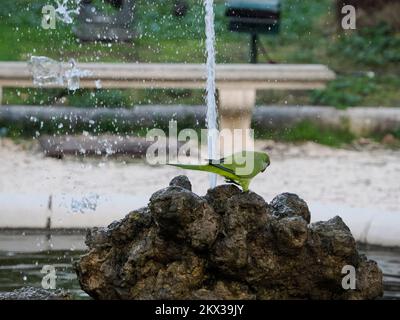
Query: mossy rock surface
225, 245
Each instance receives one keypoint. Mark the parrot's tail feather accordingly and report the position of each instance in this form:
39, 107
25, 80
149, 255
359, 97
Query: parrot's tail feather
190, 166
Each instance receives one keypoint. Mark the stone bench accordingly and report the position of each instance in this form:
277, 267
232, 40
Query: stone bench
237, 84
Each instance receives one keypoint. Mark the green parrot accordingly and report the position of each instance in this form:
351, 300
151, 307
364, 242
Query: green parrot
236, 168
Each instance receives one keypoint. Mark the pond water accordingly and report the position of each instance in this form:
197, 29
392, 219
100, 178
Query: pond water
389, 261
23, 255
23, 269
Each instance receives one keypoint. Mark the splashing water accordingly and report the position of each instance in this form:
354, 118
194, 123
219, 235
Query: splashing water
84, 204
73, 74
212, 122
63, 12
47, 71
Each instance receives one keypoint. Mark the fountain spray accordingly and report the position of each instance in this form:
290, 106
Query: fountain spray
212, 117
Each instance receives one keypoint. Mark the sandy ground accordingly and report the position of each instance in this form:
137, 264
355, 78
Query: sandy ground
365, 178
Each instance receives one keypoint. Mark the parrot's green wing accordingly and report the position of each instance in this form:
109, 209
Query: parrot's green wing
218, 169
221, 166
236, 163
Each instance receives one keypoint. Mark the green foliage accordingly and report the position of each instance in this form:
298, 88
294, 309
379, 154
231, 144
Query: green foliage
21, 12
396, 134
99, 98
360, 90
300, 18
308, 131
377, 46
345, 92
30, 96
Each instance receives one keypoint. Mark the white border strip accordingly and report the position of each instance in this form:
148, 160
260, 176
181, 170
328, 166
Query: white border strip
372, 226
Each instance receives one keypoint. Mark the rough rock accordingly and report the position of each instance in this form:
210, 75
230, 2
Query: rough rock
290, 205
31, 293
183, 216
181, 181
225, 245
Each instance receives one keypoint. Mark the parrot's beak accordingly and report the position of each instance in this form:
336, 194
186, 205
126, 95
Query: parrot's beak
266, 165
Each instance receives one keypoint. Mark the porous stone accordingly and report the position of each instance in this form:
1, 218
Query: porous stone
225, 245
181, 181
289, 205
31, 293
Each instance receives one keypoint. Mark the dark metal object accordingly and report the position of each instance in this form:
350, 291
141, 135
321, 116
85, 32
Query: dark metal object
94, 25
254, 48
254, 17
180, 8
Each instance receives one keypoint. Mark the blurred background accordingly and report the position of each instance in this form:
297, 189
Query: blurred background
366, 60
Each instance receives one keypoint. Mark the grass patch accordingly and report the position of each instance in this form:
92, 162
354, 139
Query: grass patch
308, 131
378, 47
359, 90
